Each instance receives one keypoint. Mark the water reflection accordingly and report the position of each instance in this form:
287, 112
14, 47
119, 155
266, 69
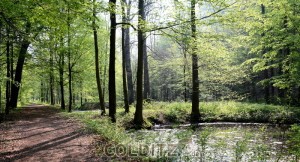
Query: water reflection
219, 142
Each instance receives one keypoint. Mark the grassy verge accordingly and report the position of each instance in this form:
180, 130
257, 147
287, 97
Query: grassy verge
111, 136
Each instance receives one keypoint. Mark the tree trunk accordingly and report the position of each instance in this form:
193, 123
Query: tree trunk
69, 63
61, 77
61, 85
138, 116
42, 92
146, 71
125, 90
105, 70
52, 99
128, 59
18, 76
8, 73
98, 80
112, 71
184, 76
195, 115
12, 62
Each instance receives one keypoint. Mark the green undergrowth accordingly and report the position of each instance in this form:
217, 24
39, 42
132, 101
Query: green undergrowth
175, 113
101, 125
110, 135
226, 111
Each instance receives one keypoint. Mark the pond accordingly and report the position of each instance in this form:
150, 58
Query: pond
214, 142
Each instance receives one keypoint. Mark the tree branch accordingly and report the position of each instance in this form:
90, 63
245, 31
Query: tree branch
188, 21
122, 23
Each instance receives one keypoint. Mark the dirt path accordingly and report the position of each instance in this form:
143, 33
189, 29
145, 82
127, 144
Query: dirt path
38, 133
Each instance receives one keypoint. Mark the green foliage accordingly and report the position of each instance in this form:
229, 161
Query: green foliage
294, 140
226, 111
101, 126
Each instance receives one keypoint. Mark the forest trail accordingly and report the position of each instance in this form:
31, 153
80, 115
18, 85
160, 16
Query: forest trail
38, 133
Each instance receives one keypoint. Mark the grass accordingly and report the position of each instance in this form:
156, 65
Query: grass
225, 111
110, 135
177, 113
100, 125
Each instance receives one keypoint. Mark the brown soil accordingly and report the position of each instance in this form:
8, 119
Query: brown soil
38, 133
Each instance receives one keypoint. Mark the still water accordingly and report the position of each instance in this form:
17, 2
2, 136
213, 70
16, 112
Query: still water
214, 142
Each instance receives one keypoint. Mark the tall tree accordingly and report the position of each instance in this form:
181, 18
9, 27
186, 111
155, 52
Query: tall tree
195, 115
125, 88
8, 73
138, 116
146, 66
69, 57
128, 56
98, 80
61, 75
112, 60
52, 99
146, 71
19, 69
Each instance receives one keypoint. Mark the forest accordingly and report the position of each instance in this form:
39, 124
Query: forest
156, 72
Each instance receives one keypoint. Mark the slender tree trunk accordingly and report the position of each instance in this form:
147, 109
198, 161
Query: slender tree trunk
128, 59
98, 80
125, 90
61, 84
138, 116
69, 63
8, 73
12, 62
81, 98
47, 93
105, 70
52, 99
184, 76
146, 66
146, 71
42, 92
112, 60
195, 115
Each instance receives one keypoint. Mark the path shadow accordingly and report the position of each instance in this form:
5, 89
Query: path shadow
29, 151
15, 139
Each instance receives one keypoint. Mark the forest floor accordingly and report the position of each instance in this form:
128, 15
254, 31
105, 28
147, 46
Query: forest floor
39, 133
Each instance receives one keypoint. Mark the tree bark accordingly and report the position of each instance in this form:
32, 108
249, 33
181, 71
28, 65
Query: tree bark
128, 59
125, 90
61, 78
138, 116
98, 80
69, 62
52, 99
8, 74
112, 71
184, 76
195, 115
146, 71
15, 88
18, 76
